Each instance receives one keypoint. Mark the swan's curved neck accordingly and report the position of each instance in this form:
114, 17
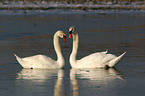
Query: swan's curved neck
57, 48
75, 49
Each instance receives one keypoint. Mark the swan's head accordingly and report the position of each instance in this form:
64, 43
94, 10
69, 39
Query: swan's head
71, 31
61, 35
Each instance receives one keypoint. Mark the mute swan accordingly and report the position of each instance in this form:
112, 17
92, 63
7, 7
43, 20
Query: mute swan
42, 61
95, 60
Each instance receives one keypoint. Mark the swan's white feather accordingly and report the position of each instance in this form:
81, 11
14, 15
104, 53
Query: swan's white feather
37, 61
95, 60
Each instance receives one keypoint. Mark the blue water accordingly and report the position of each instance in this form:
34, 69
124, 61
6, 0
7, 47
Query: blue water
31, 34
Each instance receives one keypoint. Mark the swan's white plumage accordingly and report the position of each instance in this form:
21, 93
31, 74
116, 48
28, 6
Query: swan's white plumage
37, 61
42, 61
95, 60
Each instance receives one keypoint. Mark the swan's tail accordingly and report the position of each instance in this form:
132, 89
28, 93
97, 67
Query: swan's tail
15, 55
115, 60
18, 58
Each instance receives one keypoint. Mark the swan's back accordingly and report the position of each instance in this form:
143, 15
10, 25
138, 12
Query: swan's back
95, 60
37, 61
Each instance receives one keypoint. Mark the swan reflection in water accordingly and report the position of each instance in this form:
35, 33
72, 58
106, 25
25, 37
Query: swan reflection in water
86, 82
39, 82
95, 81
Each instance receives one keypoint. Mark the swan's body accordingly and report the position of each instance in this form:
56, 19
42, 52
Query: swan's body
42, 61
95, 60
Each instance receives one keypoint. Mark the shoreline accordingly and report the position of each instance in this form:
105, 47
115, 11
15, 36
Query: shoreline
75, 8
43, 5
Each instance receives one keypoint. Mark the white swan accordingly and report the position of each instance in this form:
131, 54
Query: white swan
42, 61
95, 60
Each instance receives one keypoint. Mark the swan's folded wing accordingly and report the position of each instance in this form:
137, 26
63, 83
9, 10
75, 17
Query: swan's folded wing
40, 60
98, 59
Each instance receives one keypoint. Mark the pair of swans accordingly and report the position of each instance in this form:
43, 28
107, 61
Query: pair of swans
95, 60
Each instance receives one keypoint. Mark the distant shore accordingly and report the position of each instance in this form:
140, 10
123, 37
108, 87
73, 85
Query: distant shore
47, 5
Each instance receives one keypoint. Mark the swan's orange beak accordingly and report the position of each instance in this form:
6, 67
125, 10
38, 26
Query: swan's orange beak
64, 38
70, 34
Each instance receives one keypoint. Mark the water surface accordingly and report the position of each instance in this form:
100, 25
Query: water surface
31, 34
